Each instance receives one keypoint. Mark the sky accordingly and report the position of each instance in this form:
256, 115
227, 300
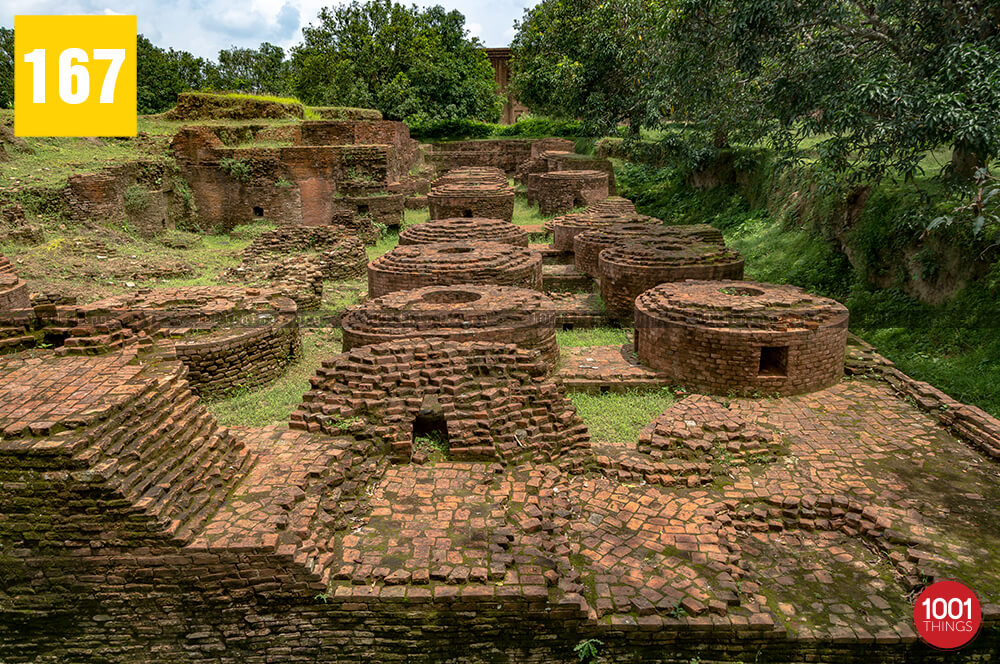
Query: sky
204, 27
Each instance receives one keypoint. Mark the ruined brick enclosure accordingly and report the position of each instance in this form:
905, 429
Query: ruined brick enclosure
302, 442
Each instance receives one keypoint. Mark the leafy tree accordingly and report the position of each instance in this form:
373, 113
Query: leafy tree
260, 71
879, 82
6, 67
162, 74
410, 63
587, 59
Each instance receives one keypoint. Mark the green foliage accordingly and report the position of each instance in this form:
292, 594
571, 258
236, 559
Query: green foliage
163, 74
527, 126
585, 59
618, 417
6, 67
135, 199
237, 169
410, 63
261, 71
588, 649
431, 444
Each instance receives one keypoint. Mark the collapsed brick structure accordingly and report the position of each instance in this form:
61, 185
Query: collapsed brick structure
732, 336
339, 254
588, 244
464, 229
626, 270
227, 337
503, 153
466, 312
471, 175
470, 199
329, 166
13, 291
390, 385
73, 330
559, 192
450, 263
298, 277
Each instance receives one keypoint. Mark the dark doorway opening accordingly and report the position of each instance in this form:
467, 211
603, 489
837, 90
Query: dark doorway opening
258, 211
430, 430
773, 361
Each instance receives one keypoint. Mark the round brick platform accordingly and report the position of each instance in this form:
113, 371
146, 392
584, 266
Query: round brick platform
466, 312
462, 229
561, 191
415, 266
722, 337
610, 205
228, 337
488, 201
587, 245
628, 270
565, 228
13, 292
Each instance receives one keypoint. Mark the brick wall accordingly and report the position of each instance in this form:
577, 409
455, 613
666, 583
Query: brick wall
559, 192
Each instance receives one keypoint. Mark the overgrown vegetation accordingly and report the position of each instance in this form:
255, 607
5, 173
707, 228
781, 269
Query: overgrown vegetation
618, 417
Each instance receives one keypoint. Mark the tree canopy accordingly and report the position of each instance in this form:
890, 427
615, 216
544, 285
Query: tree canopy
6, 68
410, 63
162, 74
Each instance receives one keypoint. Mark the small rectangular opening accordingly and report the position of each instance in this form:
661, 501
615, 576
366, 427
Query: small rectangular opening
773, 361
258, 211
362, 210
467, 214
567, 326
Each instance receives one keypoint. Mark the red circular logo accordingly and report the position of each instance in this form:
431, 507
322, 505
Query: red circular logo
947, 615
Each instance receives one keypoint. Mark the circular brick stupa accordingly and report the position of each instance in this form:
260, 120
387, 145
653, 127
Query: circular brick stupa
626, 270
415, 266
721, 337
560, 191
13, 291
566, 227
588, 245
466, 312
472, 175
462, 229
485, 200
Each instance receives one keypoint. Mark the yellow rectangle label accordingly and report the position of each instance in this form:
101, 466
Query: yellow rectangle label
75, 75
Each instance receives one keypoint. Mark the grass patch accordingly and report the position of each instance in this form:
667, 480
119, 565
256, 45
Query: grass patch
414, 217
527, 215
386, 243
594, 336
619, 417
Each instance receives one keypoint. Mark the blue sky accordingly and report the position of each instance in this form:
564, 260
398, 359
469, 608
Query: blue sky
203, 27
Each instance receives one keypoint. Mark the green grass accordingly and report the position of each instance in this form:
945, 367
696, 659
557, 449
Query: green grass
527, 215
52, 160
386, 243
619, 417
594, 336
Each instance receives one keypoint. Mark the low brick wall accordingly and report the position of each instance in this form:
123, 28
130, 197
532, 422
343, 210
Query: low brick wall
504, 154
341, 254
228, 337
13, 292
571, 161
588, 245
465, 230
384, 209
561, 191
725, 337
500, 314
627, 270
72, 330
447, 264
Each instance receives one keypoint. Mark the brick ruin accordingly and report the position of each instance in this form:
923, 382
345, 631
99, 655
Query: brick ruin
505, 154
13, 291
451, 263
572, 161
740, 337
325, 168
72, 330
566, 227
488, 401
588, 244
471, 175
227, 337
486, 200
628, 270
464, 229
338, 254
466, 312
560, 191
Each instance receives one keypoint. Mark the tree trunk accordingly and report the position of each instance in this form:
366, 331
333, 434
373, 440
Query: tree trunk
964, 162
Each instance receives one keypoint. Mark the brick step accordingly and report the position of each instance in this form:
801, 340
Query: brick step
551, 255
565, 279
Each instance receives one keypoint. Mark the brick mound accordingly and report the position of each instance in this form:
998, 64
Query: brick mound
490, 400
72, 330
572, 161
537, 162
485, 200
565, 228
732, 336
626, 270
373, 204
500, 314
694, 441
298, 277
341, 255
561, 191
588, 244
461, 229
346, 113
207, 106
14, 291
471, 175
227, 337
450, 263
